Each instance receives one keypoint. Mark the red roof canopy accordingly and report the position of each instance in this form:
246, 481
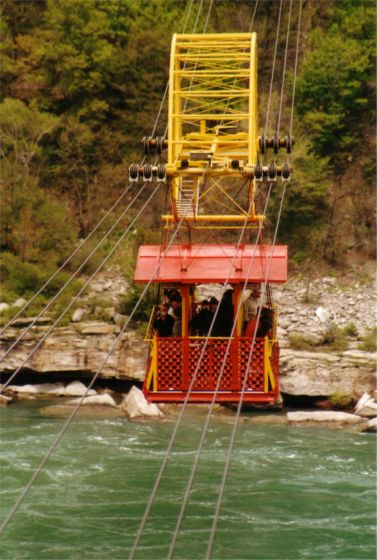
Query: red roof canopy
209, 264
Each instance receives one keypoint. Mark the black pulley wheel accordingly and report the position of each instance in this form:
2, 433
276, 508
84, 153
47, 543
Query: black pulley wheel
258, 171
133, 171
272, 171
147, 171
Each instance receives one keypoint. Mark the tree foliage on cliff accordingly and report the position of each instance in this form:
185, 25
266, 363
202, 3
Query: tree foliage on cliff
82, 83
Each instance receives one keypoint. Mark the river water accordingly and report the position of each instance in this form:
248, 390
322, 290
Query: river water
291, 494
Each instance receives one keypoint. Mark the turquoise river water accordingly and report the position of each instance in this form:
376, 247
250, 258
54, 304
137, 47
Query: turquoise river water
291, 494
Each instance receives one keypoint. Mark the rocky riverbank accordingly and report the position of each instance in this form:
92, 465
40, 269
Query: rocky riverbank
323, 325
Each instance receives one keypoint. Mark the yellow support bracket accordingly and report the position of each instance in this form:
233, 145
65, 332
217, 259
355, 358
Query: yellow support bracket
269, 376
152, 372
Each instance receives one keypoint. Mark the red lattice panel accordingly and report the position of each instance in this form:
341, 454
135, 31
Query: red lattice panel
204, 376
178, 360
169, 364
255, 373
219, 349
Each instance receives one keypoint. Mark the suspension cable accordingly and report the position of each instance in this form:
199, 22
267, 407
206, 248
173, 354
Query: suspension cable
218, 384
68, 259
67, 308
284, 69
273, 70
167, 83
215, 393
295, 69
54, 298
95, 376
75, 410
184, 405
236, 419
72, 277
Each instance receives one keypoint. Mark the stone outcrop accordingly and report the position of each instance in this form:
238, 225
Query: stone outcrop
328, 374
82, 347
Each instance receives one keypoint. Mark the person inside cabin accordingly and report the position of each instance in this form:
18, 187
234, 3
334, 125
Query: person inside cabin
250, 309
163, 322
201, 321
224, 320
213, 303
177, 316
265, 322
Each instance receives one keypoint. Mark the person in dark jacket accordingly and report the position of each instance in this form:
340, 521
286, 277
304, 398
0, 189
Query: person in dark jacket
224, 319
164, 322
201, 321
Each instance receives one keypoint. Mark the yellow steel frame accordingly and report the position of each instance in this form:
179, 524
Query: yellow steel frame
212, 117
269, 376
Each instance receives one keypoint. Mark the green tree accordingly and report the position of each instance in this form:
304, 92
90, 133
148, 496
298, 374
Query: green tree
34, 225
334, 93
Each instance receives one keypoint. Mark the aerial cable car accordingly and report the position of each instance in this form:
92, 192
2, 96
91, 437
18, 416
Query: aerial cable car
213, 170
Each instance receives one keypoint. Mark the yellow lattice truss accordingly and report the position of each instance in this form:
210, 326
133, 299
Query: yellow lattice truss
212, 126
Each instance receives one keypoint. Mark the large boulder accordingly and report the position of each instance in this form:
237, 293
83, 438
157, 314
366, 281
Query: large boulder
135, 405
366, 406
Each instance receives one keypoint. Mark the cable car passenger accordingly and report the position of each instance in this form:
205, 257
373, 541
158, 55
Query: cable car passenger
177, 316
265, 322
250, 312
201, 321
224, 319
163, 322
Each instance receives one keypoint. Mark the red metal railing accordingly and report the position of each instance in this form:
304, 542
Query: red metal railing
178, 358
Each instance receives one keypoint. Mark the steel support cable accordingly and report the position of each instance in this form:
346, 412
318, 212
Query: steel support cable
68, 259
239, 64
75, 410
207, 18
187, 493
295, 68
48, 305
111, 252
72, 277
204, 432
179, 420
284, 69
94, 378
236, 420
183, 407
167, 83
167, 454
238, 412
273, 70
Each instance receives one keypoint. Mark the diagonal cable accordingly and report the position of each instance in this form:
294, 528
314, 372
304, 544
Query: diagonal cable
273, 70
235, 425
54, 298
236, 420
72, 277
284, 69
94, 378
188, 490
111, 252
68, 259
75, 410
295, 68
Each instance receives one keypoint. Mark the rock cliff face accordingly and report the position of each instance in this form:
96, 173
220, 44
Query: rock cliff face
305, 311
81, 348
